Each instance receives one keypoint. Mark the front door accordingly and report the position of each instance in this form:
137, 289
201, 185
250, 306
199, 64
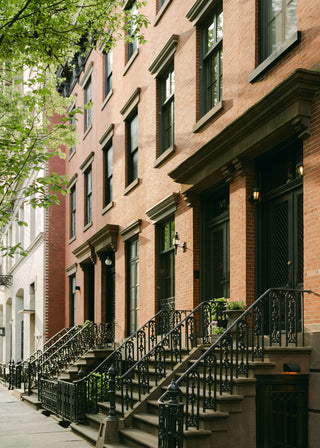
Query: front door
280, 219
282, 241
215, 275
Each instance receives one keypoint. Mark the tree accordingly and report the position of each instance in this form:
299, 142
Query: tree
36, 37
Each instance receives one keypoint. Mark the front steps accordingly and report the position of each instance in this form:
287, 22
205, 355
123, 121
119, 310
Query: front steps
233, 421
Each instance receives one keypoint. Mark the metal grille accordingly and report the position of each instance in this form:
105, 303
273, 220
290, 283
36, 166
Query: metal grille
279, 245
299, 279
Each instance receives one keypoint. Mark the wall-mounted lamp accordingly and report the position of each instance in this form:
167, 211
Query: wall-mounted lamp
108, 261
255, 195
176, 243
77, 288
291, 367
299, 167
2, 331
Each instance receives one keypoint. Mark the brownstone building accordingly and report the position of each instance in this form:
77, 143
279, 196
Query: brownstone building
220, 104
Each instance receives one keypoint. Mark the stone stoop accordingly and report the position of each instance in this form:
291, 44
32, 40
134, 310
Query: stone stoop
232, 424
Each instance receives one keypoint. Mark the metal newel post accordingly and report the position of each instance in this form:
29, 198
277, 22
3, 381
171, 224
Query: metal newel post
171, 420
112, 393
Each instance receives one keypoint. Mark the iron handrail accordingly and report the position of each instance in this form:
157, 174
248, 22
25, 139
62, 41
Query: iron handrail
84, 394
173, 341
219, 367
21, 371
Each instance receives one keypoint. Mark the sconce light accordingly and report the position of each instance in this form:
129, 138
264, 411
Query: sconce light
176, 243
255, 195
77, 288
299, 167
108, 261
291, 367
2, 331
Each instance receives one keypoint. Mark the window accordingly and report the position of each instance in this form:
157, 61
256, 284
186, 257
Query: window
132, 149
108, 173
108, 62
72, 295
87, 101
211, 58
166, 264
73, 212
133, 285
160, 3
88, 195
277, 23
132, 46
166, 110
73, 128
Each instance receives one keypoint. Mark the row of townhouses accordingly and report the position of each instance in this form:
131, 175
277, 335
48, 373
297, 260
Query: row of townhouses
196, 175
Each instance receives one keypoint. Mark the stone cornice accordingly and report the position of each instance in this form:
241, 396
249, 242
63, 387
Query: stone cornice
131, 230
131, 104
282, 113
164, 208
105, 239
200, 9
164, 57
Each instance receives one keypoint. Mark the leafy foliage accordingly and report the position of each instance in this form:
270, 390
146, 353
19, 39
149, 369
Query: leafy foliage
35, 37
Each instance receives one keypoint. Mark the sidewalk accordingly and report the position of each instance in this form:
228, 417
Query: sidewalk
23, 427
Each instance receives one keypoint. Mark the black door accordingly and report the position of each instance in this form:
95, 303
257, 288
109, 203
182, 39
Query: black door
281, 240
110, 273
215, 275
89, 291
282, 411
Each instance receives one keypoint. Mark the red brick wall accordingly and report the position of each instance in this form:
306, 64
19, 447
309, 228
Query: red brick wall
240, 55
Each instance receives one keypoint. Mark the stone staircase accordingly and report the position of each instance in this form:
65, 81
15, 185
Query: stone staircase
73, 372
233, 420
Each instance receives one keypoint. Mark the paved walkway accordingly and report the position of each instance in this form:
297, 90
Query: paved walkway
23, 427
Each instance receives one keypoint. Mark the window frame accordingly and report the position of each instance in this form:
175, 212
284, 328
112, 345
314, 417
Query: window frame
132, 152
108, 72
108, 176
163, 253
132, 266
166, 104
87, 101
88, 195
205, 105
73, 210
72, 300
131, 47
265, 47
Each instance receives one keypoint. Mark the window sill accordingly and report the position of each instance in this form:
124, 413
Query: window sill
72, 240
107, 207
106, 100
131, 186
87, 132
164, 156
161, 11
71, 155
87, 226
130, 62
275, 56
208, 116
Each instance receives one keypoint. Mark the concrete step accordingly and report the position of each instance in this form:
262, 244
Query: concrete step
32, 400
86, 432
136, 438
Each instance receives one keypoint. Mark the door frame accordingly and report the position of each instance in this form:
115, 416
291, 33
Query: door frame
206, 224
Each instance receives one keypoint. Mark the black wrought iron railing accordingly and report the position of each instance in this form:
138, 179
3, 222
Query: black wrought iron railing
72, 400
89, 336
3, 372
275, 318
22, 371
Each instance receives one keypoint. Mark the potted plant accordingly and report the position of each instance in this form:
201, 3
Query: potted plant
215, 331
233, 310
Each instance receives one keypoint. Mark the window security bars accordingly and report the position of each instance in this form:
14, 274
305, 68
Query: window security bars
275, 318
